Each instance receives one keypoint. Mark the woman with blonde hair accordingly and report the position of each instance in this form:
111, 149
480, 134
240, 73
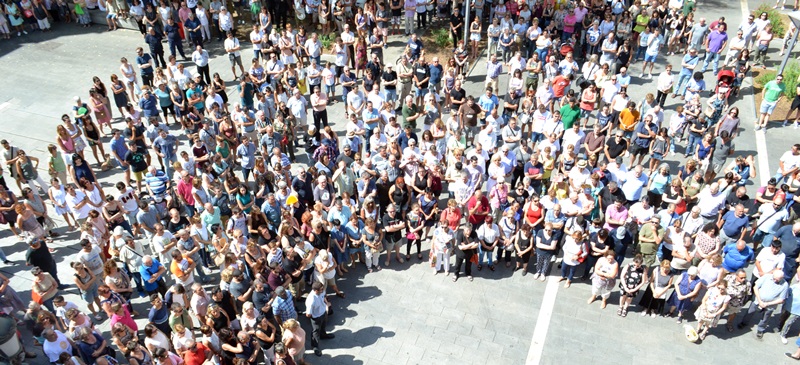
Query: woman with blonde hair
714, 303
294, 338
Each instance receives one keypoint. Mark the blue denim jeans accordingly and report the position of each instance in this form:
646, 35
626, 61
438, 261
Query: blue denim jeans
485, 254
639, 53
683, 82
568, 271
711, 57
691, 144
764, 313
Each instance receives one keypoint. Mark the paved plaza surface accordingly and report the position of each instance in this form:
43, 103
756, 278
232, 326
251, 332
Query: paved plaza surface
402, 314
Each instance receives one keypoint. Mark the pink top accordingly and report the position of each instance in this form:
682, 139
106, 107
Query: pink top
125, 319
616, 215
299, 340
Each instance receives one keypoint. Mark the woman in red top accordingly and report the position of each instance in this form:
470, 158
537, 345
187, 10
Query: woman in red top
534, 212
452, 215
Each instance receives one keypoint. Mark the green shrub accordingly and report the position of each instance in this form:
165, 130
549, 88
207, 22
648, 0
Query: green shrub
327, 40
441, 37
775, 18
791, 74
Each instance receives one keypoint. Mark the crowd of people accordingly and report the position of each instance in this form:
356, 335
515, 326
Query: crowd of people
559, 172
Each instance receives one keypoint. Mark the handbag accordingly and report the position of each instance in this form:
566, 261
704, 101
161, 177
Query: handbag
36, 297
378, 248
28, 13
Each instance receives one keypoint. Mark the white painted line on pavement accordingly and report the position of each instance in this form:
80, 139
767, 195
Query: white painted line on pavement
761, 136
543, 322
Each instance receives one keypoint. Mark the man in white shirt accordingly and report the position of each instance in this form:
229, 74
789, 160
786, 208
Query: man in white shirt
313, 47
769, 259
574, 137
200, 59
55, 344
317, 311
274, 68
356, 101
298, 105
234, 55
788, 164
712, 200
735, 47
634, 185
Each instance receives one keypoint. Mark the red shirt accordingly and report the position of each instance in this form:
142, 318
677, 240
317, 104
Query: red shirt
185, 190
481, 213
559, 84
197, 357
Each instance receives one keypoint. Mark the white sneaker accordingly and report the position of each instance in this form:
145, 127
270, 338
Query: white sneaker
644, 313
784, 340
797, 125
535, 276
672, 153
24, 32
641, 76
543, 278
652, 315
649, 76
785, 123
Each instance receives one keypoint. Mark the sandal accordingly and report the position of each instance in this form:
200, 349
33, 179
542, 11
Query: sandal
419, 256
455, 278
729, 327
491, 267
624, 313
702, 336
619, 312
480, 267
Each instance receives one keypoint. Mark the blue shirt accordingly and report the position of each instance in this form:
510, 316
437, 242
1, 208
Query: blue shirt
342, 215
273, 213
489, 103
794, 299
119, 147
147, 273
157, 183
689, 60
436, 74
167, 146
149, 106
143, 60
734, 259
769, 290
370, 114
247, 152
733, 225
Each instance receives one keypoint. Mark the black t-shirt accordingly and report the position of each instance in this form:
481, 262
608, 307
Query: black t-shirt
137, 161
290, 266
461, 239
387, 221
422, 72
700, 124
457, 95
608, 198
615, 149
732, 200
513, 99
175, 227
519, 198
260, 299
600, 244
389, 76
456, 19
140, 131
226, 305
347, 159
40, 257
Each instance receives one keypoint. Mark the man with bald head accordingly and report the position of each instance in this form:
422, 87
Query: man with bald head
770, 291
